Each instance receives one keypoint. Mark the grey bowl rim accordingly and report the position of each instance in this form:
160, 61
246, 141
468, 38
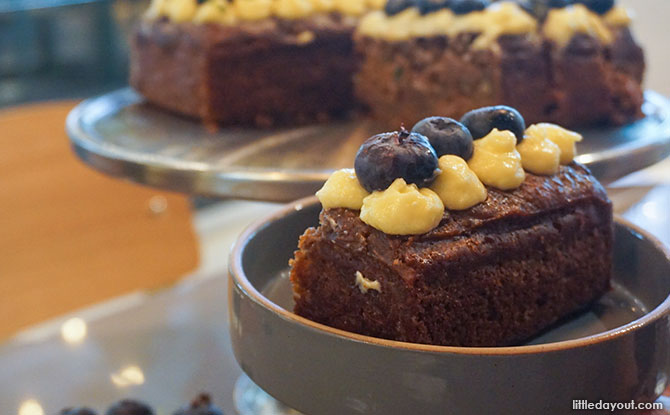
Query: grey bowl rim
238, 277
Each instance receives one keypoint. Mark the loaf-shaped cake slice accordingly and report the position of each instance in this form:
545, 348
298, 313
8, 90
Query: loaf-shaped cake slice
496, 273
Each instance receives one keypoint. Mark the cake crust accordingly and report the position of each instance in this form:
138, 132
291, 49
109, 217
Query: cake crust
493, 275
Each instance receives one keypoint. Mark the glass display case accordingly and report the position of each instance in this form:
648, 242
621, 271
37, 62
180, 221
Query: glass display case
53, 49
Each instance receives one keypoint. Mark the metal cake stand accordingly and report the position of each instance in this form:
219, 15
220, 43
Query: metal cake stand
121, 135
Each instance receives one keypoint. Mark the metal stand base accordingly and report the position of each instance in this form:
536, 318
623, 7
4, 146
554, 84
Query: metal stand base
121, 135
250, 399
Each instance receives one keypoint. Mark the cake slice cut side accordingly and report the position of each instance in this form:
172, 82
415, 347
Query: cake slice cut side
493, 275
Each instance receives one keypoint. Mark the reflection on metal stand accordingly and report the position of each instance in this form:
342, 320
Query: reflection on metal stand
250, 399
123, 136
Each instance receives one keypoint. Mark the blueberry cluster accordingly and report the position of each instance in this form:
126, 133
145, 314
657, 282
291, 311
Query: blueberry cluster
129, 407
598, 6
538, 8
413, 155
80, 410
429, 6
201, 405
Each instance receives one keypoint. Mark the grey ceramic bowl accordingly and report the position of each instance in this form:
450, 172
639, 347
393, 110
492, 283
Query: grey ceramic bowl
618, 351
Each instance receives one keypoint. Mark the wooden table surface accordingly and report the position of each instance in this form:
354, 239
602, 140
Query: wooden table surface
69, 236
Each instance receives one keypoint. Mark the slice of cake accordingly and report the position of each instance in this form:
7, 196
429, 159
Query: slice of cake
440, 239
241, 62
284, 62
574, 64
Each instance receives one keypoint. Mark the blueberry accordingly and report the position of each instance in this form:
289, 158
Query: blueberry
447, 136
598, 6
201, 405
129, 407
396, 6
527, 5
429, 6
540, 8
77, 411
559, 4
467, 6
400, 154
481, 121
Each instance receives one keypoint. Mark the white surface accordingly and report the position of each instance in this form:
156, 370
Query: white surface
651, 29
219, 225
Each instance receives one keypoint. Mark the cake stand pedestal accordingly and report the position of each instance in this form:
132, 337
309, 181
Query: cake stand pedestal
121, 135
250, 399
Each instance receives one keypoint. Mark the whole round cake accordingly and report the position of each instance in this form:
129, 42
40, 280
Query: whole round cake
285, 62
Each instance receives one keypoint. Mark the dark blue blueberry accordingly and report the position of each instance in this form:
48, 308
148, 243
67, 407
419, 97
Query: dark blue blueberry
481, 121
77, 411
598, 6
467, 6
386, 157
129, 407
527, 5
559, 4
447, 136
201, 405
429, 6
540, 8
396, 6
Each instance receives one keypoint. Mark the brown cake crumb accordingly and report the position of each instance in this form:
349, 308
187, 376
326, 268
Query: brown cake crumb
583, 84
493, 275
264, 74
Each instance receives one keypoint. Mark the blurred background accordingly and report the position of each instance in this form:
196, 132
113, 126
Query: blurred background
59, 49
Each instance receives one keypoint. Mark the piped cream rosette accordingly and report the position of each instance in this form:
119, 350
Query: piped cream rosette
497, 162
229, 12
498, 19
